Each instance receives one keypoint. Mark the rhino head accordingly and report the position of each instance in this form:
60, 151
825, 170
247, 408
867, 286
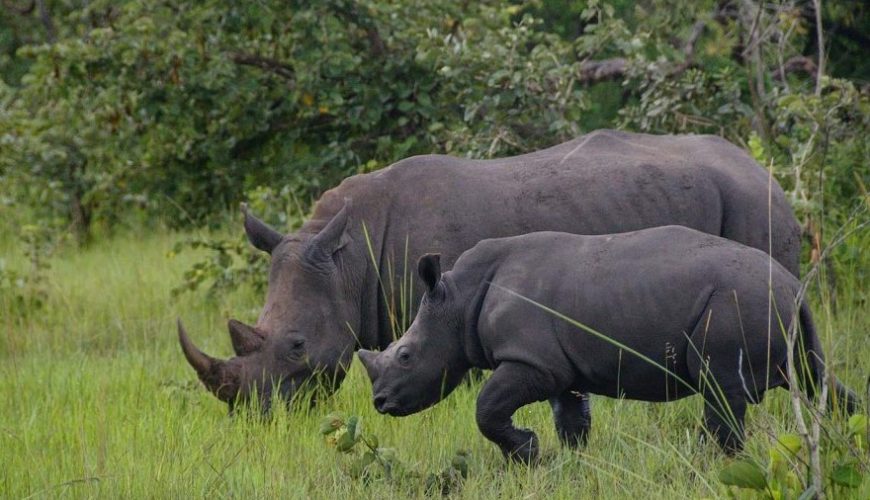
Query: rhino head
305, 331
428, 361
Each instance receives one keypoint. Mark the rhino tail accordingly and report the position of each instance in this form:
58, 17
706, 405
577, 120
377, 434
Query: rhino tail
812, 365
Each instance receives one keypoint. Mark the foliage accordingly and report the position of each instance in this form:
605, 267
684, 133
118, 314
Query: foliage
231, 261
787, 469
26, 291
346, 433
178, 109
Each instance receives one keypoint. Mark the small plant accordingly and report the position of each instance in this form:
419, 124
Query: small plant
231, 262
27, 290
786, 473
228, 264
377, 462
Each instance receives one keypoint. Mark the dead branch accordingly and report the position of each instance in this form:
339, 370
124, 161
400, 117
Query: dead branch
23, 11
817, 6
616, 68
265, 63
45, 17
796, 64
607, 69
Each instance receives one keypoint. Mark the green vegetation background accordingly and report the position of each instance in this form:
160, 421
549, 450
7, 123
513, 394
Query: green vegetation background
131, 130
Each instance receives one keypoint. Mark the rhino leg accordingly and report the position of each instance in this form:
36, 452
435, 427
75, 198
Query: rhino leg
716, 365
573, 417
511, 386
724, 420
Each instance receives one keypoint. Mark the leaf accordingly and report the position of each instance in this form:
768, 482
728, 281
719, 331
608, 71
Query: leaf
354, 427
331, 423
358, 467
858, 425
743, 474
460, 462
372, 442
847, 475
345, 442
790, 442
351, 435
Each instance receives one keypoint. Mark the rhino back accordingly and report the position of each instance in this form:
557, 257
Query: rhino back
604, 182
645, 289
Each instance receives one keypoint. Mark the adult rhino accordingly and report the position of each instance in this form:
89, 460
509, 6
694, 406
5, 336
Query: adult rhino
331, 282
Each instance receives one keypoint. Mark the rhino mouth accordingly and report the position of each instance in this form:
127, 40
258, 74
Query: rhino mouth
387, 406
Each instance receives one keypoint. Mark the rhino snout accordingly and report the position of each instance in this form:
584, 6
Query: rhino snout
380, 401
387, 407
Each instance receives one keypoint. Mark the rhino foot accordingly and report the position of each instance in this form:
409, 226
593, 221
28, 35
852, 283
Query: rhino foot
526, 450
573, 418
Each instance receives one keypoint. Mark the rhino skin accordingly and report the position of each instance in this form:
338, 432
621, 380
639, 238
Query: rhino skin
685, 313
333, 290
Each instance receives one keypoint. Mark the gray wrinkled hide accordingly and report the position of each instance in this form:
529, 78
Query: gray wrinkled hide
603, 182
679, 297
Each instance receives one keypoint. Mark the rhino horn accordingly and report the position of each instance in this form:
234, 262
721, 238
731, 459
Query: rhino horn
369, 359
333, 237
213, 372
246, 339
260, 234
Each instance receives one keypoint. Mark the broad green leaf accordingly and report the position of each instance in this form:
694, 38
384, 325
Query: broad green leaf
359, 466
858, 425
790, 442
354, 428
345, 442
743, 474
330, 424
460, 462
847, 475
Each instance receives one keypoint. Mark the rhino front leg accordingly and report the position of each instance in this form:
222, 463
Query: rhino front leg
512, 386
573, 417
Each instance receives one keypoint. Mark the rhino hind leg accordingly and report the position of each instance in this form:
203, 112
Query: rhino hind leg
723, 418
719, 372
573, 417
511, 386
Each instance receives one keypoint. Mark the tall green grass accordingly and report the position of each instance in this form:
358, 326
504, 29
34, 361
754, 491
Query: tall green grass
97, 401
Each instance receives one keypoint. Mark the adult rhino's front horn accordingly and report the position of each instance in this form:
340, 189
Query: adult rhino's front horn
218, 376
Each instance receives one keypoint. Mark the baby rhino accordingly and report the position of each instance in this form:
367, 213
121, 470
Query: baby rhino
683, 313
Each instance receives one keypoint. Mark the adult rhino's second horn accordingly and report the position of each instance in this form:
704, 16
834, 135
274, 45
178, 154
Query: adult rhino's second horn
246, 339
210, 370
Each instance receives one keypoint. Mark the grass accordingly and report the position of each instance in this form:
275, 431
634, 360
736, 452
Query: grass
99, 402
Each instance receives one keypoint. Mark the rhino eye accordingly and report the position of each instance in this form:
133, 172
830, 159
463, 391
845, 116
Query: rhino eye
403, 356
291, 349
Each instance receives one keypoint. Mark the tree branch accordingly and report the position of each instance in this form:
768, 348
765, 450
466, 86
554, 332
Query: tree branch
265, 63
607, 69
616, 68
23, 11
45, 17
820, 70
796, 64
350, 13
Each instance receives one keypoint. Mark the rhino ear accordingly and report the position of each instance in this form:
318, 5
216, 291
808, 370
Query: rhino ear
429, 269
331, 238
369, 359
260, 234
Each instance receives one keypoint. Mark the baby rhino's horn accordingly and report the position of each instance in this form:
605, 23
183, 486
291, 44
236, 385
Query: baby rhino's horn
369, 359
